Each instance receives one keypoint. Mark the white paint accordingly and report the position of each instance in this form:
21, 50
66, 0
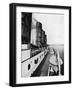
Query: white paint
25, 54
27, 73
25, 46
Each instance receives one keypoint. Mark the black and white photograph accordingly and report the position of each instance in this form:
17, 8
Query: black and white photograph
42, 47
40, 41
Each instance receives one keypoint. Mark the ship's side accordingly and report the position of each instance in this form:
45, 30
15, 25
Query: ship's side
34, 44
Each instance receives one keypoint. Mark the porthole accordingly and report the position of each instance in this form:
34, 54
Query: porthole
29, 66
36, 61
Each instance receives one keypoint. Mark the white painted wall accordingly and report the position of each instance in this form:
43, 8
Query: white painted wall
4, 45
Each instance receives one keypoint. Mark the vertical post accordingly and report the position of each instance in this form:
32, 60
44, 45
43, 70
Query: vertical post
59, 64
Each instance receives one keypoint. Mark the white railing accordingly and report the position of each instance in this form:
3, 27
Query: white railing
30, 65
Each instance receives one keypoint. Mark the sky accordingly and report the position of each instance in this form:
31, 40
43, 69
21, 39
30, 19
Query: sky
53, 25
